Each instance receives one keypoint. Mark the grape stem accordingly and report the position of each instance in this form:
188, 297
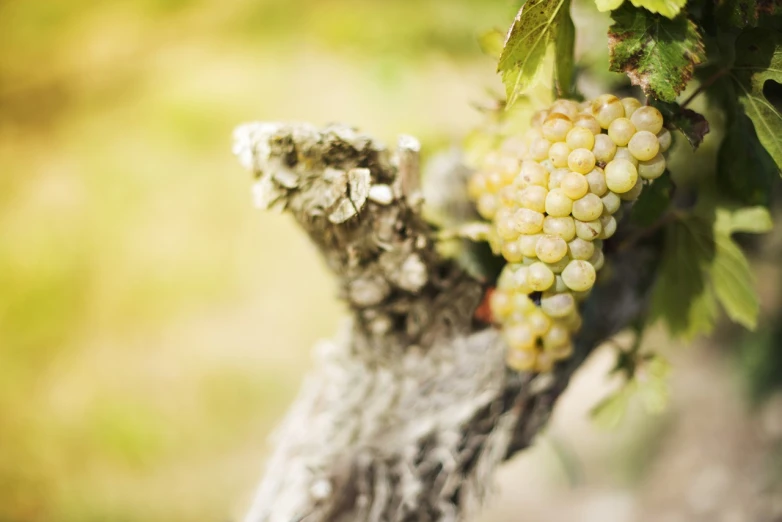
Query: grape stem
705, 85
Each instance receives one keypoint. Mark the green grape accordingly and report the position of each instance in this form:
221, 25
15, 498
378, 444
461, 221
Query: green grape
556, 336
559, 266
664, 137
528, 243
630, 105
559, 285
557, 305
589, 230
533, 173
580, 138
521, 360
581, 248
529, 260
501, 304
606, 108
587, 208
647, 119
579, 275
621, 175
538, 149
540, 277
560, 353
539, 322
487, 206
581, 161
624, 153
597, 182
534, 198
611, 202
556, 127
511, 251
604, 148
608, 222
653, 168
574, 185
633, 193
558, 154
620, 131
556, 176
505, 281
597, 260
526, 221
588, 122
563, 227
558, 204
567, 107
572, 322
551, 249
519, 336
644, 145
506, 224
476, 185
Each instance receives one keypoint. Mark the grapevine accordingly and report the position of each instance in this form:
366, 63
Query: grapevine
552, 198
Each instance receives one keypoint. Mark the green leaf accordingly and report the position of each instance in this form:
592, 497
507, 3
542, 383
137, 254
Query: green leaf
759, 60
491, 43
667, 8
752, 220
534, 28
745, 170
607, 5
657, 54
608, 413
692, 125
565, 43
653, 202
734, 283
682, 296
738, 14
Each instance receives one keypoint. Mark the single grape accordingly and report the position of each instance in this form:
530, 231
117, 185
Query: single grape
558, 154
567, 107
587, 121
522, 304
563, 227
551, 249
526, 221
540, 277
574, 185
519, 336
597, 260
587, 208
538, 149
647, 119
487, 206
559, 266
621, 175
580, 138
597, 182
558, 204
644, 145
630, 105
581, 161
633, 193
557, 305
604, 148
476, 185
539, 322
589, 230
653, 168
620, 131
559, 285
611, 202
556, 177
560, 353
624, 153
521, 360
533, 198
608, 223
664, 137
580, 248
556, 336
511, 251
606, 108
573, 321
501, 304
532, 173
519, 281
579, 275
528, 243
556, 127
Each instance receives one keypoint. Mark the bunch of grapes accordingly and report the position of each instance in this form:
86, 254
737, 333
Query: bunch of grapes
552, 198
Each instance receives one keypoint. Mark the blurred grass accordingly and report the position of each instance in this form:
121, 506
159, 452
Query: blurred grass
151, 321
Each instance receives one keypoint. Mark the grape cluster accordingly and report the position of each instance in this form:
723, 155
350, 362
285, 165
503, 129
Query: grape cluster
552, 198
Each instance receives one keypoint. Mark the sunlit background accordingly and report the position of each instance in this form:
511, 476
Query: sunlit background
154, 326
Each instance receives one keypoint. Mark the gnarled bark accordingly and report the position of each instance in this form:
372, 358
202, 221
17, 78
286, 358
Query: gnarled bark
412, 407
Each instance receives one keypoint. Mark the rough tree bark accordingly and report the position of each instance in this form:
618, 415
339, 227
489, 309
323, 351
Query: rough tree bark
411, 408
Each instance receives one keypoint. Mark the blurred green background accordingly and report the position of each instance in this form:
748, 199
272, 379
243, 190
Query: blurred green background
153, 324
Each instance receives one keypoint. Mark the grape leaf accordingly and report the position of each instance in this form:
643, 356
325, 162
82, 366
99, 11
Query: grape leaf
759, 60
667, 8
744, 168
682, 296
732, 14
656, 53
734, 283
753, 220
535, 27
607, 5
565, 43
653, 202
691, 124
